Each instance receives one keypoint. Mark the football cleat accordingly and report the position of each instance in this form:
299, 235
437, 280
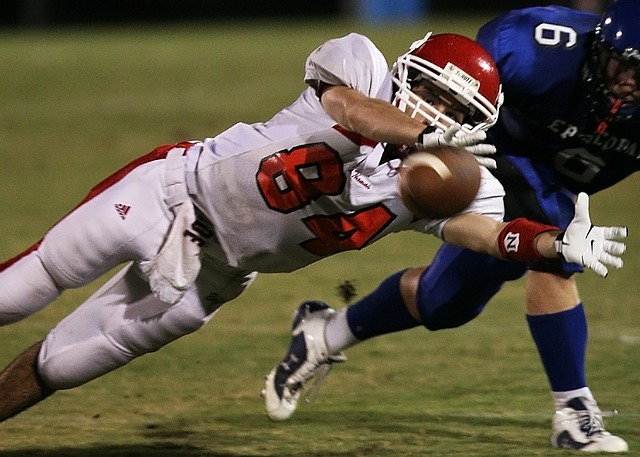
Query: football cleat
579, 426
306, 360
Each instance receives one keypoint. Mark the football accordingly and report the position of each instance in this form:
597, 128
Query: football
439, 183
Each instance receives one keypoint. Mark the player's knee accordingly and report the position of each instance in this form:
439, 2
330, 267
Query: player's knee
439, 314
443, 306
459, 284
72, 366
63, 277
444, 319
25, 288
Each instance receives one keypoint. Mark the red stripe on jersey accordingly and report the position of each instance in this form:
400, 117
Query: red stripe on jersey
158, 153
355, 137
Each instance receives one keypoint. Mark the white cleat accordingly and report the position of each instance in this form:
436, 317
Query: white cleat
579, 426
306, 359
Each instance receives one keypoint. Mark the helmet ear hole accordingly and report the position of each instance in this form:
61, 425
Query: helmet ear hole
413, 76
474, 117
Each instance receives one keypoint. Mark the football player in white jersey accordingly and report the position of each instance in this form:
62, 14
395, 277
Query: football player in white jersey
194, 222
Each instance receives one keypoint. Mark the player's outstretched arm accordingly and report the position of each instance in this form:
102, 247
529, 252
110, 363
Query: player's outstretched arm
373, 118
524, 240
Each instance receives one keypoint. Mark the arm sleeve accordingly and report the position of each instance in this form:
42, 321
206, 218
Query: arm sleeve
352, 61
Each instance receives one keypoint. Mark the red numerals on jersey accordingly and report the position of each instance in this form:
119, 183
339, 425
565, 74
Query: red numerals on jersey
290, 180
343, 232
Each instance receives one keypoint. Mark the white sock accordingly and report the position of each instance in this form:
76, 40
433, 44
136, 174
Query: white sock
560, 399
337, 333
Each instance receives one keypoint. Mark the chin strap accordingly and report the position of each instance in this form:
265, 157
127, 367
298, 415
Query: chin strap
602, 127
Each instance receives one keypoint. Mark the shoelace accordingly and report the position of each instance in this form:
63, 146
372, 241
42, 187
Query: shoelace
590, 423
310, 388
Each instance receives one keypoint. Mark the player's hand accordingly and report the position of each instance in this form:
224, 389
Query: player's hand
591, 246
454, 136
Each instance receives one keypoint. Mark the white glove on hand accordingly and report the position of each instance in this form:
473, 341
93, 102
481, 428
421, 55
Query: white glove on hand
591, 246
453, 136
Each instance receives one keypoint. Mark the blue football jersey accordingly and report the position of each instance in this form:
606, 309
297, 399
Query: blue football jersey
541, 54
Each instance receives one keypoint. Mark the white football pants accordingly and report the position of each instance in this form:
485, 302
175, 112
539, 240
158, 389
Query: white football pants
124, 220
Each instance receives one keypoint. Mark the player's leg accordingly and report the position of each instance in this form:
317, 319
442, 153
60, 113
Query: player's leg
124, 320
81, 246
320, 334
79, 348
25, 287
449, 293
21, 385
122, 218
556, 320
555, 315
457, 286
558, 325
453, 290
90, 240
119, 322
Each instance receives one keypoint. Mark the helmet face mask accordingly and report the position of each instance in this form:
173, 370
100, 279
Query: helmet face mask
615, 49
456, 65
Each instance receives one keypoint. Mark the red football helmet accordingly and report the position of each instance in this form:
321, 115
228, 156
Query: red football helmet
458, 65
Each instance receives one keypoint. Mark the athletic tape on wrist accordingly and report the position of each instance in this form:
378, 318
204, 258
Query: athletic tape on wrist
517, 240
557, 244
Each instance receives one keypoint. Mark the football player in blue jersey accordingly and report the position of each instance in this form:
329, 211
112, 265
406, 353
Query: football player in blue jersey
570, 123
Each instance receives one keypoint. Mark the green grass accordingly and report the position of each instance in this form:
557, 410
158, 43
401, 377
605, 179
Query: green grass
76, 104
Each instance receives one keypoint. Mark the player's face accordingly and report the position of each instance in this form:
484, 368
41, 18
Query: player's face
622, 79
440, 99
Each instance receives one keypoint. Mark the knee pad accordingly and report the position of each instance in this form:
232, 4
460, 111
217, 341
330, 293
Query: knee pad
458, 284
25, 288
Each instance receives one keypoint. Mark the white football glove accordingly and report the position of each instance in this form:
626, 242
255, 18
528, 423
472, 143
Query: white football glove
591, 246
453, 136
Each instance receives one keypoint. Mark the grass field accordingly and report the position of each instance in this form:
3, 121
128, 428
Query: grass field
75, 105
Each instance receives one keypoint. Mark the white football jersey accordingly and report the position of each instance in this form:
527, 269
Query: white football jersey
287, 192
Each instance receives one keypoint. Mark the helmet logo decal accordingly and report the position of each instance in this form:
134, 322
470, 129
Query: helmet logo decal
459, 81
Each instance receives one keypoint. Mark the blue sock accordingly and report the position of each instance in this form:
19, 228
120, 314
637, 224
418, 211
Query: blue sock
561, 339
382, 311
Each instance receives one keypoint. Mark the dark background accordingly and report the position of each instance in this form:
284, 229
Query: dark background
40, 13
